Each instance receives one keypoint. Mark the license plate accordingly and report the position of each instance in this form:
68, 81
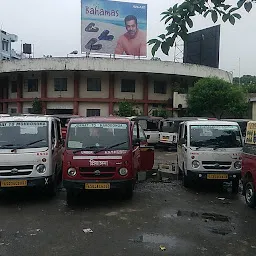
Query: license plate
217, 176
165, 137
13, 183
97, 185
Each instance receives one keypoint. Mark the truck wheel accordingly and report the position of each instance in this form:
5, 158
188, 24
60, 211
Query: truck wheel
186, 181
51, 189
127, 193
250, 197
235, 186
70, 197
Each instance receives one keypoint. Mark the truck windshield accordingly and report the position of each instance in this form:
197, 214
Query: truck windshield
95, 136
170, 126
216, 136
149, 125
28, 134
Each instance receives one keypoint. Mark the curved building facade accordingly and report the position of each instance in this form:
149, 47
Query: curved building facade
94, 86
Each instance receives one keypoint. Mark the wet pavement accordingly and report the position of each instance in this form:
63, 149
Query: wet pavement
163, 218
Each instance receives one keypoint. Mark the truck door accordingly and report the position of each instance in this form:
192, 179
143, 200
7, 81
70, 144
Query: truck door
179, 145
135, 148
146, 152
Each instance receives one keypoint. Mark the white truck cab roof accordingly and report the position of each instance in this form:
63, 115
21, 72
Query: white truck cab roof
209, 122
27, 118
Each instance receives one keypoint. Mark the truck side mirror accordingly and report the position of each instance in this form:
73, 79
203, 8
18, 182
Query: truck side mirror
182, 141
136, 142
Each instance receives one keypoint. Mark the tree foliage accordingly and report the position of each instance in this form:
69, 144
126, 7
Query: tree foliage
126, 109
37, 107
160, 113
245, 80
179, 18
216, 97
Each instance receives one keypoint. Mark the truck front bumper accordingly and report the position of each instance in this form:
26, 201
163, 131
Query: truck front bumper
80, 184
214, 175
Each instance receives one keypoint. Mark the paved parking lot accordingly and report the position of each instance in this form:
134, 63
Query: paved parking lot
163, 218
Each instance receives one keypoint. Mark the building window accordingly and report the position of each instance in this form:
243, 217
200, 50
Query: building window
93, 112
60, 84
160, 87
13, 86
127, 85
5, 45
32, 85
13, 110
93, 84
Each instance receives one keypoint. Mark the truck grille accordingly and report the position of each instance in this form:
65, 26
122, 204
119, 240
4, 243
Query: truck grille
18, 167
92, 172
9, 174
14, 170
216, 165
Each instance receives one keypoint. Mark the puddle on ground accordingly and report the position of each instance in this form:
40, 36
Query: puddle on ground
215, 217
220, 231
204, 216
169, 242
156, 239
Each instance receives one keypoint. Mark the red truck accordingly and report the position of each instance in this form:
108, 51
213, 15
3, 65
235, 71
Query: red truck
64, 119
103, 154
249, 165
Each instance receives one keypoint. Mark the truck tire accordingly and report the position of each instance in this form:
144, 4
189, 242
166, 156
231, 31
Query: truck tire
70, 197
127, 193
235, 186
186, 181
250, 197
51, 189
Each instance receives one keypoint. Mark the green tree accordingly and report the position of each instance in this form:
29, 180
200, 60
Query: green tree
216, 97
37, 107
179, 18
160, 113
245, 80
126, 109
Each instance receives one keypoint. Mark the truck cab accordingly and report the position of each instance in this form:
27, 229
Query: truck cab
103, 154
210, 150
30, 152
249, 165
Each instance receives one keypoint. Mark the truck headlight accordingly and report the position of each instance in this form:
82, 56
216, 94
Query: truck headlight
123, 171
41, 168
195, 164
238, 165
72, 172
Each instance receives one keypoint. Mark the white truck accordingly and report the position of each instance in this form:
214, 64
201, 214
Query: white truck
150, 126
30, 152
168, 131
210, 150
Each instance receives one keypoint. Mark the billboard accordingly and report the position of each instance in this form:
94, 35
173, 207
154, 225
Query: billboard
202, 47
111, 27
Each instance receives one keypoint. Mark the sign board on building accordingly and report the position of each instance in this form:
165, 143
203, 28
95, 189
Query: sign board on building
111, 27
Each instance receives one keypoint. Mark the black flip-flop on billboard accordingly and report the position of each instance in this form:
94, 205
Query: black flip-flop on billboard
91, 28
105, 36
91, 45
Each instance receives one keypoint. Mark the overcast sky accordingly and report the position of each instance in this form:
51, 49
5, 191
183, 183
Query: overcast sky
53, 26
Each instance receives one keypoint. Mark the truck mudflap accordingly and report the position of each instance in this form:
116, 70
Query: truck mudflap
147, 158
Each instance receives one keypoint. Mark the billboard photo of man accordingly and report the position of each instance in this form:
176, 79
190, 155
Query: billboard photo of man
113, 27
134, 41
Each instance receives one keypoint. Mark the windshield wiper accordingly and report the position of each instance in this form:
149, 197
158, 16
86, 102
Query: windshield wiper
29, 144
7, 146
81, 149
109, 147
